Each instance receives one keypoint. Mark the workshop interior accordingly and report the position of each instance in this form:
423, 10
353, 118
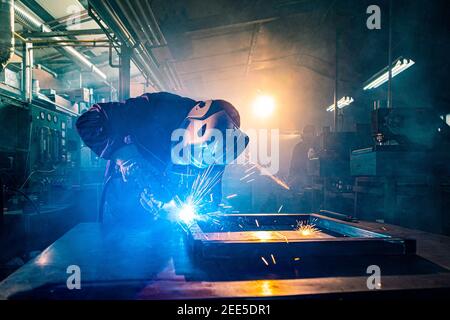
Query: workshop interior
338, 186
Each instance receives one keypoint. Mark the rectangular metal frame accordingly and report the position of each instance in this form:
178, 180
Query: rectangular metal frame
356, 242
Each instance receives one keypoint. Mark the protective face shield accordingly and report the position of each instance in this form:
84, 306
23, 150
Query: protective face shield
209, 135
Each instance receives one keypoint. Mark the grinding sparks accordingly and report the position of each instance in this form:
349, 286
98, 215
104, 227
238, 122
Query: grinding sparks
257, 223
279, 210
297, 259
306, 229
231, 196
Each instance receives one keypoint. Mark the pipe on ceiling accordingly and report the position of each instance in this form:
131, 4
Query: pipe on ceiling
136, 20
26, 18
108, 15
6, 31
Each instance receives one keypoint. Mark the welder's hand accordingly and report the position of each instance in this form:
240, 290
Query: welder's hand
129, 169
128, 160
171, 210
150, 204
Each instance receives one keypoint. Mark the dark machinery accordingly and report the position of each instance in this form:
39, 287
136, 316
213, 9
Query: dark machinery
40, 149
401, 179
331, 181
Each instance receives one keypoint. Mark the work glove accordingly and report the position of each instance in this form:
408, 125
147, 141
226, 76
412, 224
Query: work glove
129, 162
150, 204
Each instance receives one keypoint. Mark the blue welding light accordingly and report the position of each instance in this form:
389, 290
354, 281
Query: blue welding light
187, 213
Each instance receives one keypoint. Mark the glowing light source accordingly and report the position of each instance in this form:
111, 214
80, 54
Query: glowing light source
381, 77
266, 288
345, 101
263, 106
262, 235
187, 213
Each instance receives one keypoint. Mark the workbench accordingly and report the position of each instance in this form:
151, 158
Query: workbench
148, 262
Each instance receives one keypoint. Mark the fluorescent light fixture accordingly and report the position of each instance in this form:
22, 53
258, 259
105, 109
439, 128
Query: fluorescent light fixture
30, 18
345, 101
381, 77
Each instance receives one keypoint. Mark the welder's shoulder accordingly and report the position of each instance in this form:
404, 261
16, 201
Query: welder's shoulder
167, 98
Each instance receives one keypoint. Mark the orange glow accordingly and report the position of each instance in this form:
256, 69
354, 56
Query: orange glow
266, 288
263, 106
262, 235
306, 229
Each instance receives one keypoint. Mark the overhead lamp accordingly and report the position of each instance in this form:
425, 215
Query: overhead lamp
381, 77
345, 101
263, 106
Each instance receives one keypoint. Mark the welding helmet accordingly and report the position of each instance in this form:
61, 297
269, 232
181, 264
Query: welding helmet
209, 135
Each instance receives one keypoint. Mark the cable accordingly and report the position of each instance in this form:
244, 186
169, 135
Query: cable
35, 206
32, 173
101, 209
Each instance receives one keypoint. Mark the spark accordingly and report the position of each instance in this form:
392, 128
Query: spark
273, 259
203, 184
250, 180
306, 229
283, 236
247, 175
279, 210
296, 259
201, 187
265, 261
266, 172
231, 196
257, 223
240, 226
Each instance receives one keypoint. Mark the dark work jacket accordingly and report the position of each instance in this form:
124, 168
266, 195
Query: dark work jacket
146, 121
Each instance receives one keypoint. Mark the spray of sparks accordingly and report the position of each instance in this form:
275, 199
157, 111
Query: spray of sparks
263, 171
306, 229
202, 186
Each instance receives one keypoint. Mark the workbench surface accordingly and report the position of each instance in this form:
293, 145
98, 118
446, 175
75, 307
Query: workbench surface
153, 263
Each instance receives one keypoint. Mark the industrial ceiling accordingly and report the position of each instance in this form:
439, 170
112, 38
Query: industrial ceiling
234, 49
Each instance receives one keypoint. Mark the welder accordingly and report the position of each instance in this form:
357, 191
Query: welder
135, 137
